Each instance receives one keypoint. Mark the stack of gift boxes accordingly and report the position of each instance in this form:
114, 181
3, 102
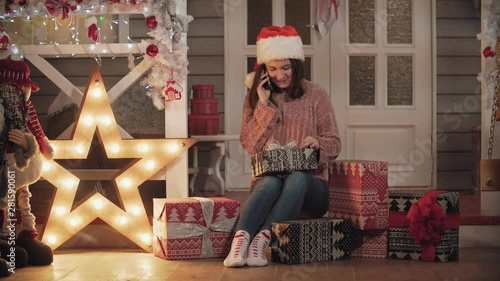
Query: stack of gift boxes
204, 119
358, 191
364, 219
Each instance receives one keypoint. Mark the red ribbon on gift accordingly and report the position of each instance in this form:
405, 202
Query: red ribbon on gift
426, 220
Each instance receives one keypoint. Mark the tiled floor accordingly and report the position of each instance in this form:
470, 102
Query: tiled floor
474, 265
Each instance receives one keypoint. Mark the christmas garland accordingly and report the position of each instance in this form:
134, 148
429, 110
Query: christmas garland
490, 35
166, 52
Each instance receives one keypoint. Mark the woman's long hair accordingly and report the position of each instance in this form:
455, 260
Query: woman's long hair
295, 90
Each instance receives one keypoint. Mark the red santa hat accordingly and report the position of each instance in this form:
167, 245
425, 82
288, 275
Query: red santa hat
16, 72
277, 43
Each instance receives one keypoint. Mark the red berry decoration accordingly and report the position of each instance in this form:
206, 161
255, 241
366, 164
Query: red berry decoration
151, 22
152, 50
488, 52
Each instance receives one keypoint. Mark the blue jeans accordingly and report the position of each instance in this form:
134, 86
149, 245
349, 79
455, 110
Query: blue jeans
274, 200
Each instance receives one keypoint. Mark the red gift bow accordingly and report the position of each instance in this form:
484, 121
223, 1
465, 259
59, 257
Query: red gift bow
426, 220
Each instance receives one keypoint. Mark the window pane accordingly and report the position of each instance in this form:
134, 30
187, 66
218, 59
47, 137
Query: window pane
399, 80
361, 21
19, 31
299, 20
259, 15
307, 66
362, 80
399, 18
250, 64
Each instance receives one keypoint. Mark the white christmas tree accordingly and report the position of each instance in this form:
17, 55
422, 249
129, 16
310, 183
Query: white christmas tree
222, 216
174, 216
190, 215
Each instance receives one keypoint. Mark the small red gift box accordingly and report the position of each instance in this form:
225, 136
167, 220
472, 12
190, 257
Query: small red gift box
358, 190
204, 106
203, 91
203, 124
193, 227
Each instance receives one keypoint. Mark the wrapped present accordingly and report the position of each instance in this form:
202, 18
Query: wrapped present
193, 227
424, 226
286, 159
358, 190
314, 240
370, 243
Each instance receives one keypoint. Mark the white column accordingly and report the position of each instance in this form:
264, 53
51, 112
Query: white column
489, 199
176, 127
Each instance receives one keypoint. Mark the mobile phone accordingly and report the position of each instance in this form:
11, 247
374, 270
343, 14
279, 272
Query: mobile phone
268, 85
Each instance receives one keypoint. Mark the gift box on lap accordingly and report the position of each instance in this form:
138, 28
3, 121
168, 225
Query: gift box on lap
313, 240
284, 161
424, 226
193, 227
370, 243
358, 190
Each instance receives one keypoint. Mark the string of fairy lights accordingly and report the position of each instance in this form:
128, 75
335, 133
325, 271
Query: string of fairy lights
95, 24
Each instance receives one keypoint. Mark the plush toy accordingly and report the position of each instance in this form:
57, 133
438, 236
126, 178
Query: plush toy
22, 146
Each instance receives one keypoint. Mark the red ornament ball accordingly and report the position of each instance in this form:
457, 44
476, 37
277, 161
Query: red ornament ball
152, 50
151, 22
488, 52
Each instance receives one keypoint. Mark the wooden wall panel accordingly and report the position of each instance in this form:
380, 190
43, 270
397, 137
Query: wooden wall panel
458, 47
462, 9
205, 46
204, 8
454, 161
455, 180
458, 65
454, 142
458, 122
458, 27
459, 104
458, 85
458, 91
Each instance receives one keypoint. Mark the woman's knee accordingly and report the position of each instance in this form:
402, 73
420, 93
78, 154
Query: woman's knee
268, 184
297, 178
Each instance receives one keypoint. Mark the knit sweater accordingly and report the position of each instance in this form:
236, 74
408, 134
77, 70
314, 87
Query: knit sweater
285, 119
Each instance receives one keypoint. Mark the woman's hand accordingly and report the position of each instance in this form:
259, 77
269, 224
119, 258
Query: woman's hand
309, 142
17, 137
264, 93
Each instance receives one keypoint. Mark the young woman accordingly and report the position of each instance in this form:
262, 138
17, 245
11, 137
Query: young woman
282, 106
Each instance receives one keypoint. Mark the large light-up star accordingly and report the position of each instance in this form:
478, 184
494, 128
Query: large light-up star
151, 156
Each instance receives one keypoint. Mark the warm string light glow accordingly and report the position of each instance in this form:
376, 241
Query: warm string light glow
64, 221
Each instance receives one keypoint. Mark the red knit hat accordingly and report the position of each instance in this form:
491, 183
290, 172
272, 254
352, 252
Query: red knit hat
277, 43
17, 72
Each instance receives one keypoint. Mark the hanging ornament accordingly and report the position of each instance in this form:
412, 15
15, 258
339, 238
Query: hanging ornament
152, 50
326, 15
151, 22
488, 52
4, 39
173, 91
93, 31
